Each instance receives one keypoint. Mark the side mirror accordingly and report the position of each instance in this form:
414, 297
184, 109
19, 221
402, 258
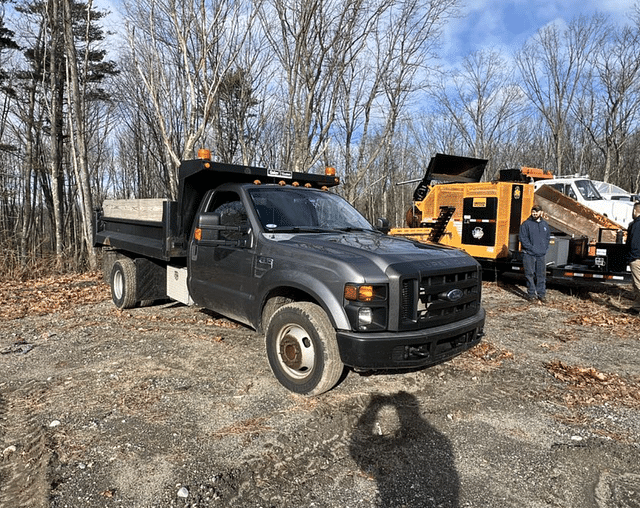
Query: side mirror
383, 225
210, 231
208, 227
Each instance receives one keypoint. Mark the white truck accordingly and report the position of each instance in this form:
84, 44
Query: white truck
583, 190
611, 191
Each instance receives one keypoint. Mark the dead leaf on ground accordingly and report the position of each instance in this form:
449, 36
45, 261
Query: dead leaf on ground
484, 356
50, 294
588, 386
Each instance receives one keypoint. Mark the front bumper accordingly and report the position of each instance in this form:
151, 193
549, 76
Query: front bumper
404, 350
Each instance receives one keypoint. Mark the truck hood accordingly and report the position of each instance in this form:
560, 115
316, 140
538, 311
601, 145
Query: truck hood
381, 250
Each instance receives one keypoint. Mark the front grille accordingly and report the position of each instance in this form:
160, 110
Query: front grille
438, 299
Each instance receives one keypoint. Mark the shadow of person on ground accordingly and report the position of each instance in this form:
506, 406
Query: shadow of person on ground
411, 461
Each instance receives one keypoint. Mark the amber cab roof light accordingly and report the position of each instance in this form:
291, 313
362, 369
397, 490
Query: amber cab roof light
537, 173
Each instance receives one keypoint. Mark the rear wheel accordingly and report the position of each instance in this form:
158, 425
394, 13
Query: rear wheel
123, 283
302, 349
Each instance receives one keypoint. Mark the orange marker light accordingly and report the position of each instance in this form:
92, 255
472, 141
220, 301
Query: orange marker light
329, 171
203, 153
350, 293
198, 234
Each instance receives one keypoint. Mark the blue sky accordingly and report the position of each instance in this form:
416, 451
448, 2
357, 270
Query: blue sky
504, 25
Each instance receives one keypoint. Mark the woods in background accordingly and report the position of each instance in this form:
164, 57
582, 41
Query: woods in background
93, 108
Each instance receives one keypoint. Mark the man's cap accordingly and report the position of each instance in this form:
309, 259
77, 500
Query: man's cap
536, 208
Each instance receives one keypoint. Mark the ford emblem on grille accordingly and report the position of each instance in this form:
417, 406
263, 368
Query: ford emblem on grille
454, 295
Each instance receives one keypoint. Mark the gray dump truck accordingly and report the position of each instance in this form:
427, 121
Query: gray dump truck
279, 252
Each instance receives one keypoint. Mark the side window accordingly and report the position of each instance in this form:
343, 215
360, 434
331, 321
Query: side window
232, 213
570, 192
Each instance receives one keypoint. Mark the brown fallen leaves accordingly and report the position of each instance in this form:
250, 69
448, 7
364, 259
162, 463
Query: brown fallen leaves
485, 356
588, 386
605, 318
50, 294
604, 315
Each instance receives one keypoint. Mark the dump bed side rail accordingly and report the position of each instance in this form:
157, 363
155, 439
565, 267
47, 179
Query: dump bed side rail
150, 238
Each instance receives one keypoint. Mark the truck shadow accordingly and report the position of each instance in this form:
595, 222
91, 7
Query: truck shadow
412, 463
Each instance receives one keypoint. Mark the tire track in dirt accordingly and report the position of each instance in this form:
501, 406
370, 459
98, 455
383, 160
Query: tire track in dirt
25, 455
292, 473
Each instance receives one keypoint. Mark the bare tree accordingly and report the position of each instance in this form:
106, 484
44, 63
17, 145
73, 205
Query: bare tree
313, 41
611, 100
482, 101
55, 69
143, 168
242, 109
385, 70
183, 51
552, 65
77, 108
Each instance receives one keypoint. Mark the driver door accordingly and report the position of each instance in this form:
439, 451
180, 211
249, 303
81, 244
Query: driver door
220, 270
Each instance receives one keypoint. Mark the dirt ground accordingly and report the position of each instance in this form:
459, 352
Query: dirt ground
173, 406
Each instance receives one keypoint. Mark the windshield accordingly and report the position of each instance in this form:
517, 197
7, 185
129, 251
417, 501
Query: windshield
291, 209
588, 190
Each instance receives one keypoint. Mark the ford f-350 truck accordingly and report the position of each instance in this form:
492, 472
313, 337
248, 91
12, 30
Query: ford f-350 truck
281, 253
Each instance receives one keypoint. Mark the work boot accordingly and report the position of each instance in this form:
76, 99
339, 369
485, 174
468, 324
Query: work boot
542, 299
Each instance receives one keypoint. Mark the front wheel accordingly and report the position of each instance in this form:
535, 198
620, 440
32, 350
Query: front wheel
302, 349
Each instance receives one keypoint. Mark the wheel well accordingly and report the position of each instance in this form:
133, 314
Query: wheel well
279, 297
110, 256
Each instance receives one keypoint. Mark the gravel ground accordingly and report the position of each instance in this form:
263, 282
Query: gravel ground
174, 406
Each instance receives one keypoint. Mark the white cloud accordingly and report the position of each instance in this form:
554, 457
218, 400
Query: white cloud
505, 25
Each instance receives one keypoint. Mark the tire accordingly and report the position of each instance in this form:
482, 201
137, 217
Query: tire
302, 349
123, 283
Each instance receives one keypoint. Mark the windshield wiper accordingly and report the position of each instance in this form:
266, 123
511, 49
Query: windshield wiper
317, 229
296, 229
350, 229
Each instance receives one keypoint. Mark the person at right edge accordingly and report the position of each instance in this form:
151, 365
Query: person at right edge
534, 237
633, 257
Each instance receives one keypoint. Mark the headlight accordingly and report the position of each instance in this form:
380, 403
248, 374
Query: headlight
365, 316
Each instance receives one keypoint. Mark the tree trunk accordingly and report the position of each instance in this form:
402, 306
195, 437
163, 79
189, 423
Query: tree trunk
27, 211
78, 136
57, 94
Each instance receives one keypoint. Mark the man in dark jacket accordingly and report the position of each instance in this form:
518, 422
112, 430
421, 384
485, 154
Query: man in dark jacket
633, 256
534, 237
